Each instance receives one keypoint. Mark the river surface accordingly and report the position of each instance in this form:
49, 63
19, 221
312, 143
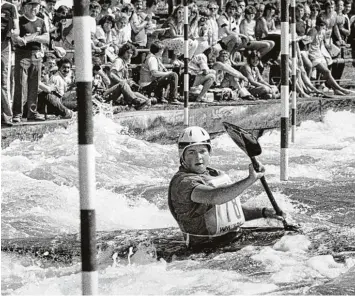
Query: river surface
40, 198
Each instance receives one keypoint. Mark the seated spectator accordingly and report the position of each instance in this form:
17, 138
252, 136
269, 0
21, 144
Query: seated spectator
247, 32
173, 38
204, 36
154, 77
301, 30
105, 36
201, 74
64, 83
228, 76
258, 87
50, 61
105, 9
265, 29
121, 84
318, 59
227, 31
315, 9
49, 99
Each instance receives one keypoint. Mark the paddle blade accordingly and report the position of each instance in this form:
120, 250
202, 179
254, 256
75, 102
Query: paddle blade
245, 140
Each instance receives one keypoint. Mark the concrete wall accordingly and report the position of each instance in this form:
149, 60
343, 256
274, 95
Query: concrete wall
165, 125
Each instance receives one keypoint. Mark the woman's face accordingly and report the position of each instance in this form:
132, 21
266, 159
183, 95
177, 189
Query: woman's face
314, 12
121, 23
107, 26
127, 55
223, 56
271, 12
254, 61
180, 13
299, 12
250, 16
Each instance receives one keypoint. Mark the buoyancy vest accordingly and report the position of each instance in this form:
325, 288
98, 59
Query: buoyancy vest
218, 219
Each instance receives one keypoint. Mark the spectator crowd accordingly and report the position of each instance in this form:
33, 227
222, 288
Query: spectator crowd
138, 53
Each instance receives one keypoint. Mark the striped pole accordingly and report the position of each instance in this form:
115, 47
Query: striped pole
294, 67
186, 63
284, 89
83, 62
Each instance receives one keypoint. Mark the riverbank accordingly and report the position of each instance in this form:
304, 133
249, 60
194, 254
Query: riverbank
162, 123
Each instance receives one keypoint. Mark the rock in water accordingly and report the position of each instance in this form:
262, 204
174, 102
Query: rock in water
166, 243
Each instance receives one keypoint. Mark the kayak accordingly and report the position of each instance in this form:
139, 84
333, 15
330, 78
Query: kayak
160, 243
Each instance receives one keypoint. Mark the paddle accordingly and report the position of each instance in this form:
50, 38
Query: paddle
250, 145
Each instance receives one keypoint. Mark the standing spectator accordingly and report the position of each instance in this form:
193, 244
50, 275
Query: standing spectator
9, 27
341, 22
139, 21
28, 61
212, 22
154, 76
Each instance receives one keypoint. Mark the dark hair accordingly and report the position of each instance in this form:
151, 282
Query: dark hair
151, 3
315, 6
250, 10
106, 18
230, 4
126, 47
94, 4
64, 61
49, 56
267, 7
251, 54
299, 6
327, 4
156, 46
320, 22
127, 8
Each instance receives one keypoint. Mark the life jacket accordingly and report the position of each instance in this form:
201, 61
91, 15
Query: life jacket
219, 219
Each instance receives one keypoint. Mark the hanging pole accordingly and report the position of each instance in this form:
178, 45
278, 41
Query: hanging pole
83, 60
294, 67
285, 45
186, 63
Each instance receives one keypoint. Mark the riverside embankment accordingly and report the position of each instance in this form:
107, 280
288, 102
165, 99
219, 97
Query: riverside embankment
163, 123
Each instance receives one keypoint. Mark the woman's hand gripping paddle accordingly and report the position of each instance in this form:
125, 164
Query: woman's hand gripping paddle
250, 145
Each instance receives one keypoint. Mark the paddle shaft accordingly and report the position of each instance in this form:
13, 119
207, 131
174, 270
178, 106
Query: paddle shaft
266, 187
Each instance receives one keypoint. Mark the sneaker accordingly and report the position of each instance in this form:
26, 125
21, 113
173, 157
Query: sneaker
69, 115
36, 117
175, 102
163, 101
145, 105
7, 123
16, 119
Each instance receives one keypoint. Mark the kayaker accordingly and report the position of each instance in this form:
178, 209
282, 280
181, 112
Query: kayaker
204, 201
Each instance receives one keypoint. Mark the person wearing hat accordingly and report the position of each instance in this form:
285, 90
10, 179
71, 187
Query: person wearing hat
204, 201
28, 61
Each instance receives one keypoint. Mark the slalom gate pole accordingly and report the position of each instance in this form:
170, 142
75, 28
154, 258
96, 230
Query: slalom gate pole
284, 89
294, 67
186, 63
83, 60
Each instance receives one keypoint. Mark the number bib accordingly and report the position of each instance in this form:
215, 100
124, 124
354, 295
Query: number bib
225, 217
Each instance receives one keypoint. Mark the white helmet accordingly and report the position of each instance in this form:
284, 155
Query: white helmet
193, 135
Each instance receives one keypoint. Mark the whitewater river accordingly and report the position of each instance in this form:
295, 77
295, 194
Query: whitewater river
40, 198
